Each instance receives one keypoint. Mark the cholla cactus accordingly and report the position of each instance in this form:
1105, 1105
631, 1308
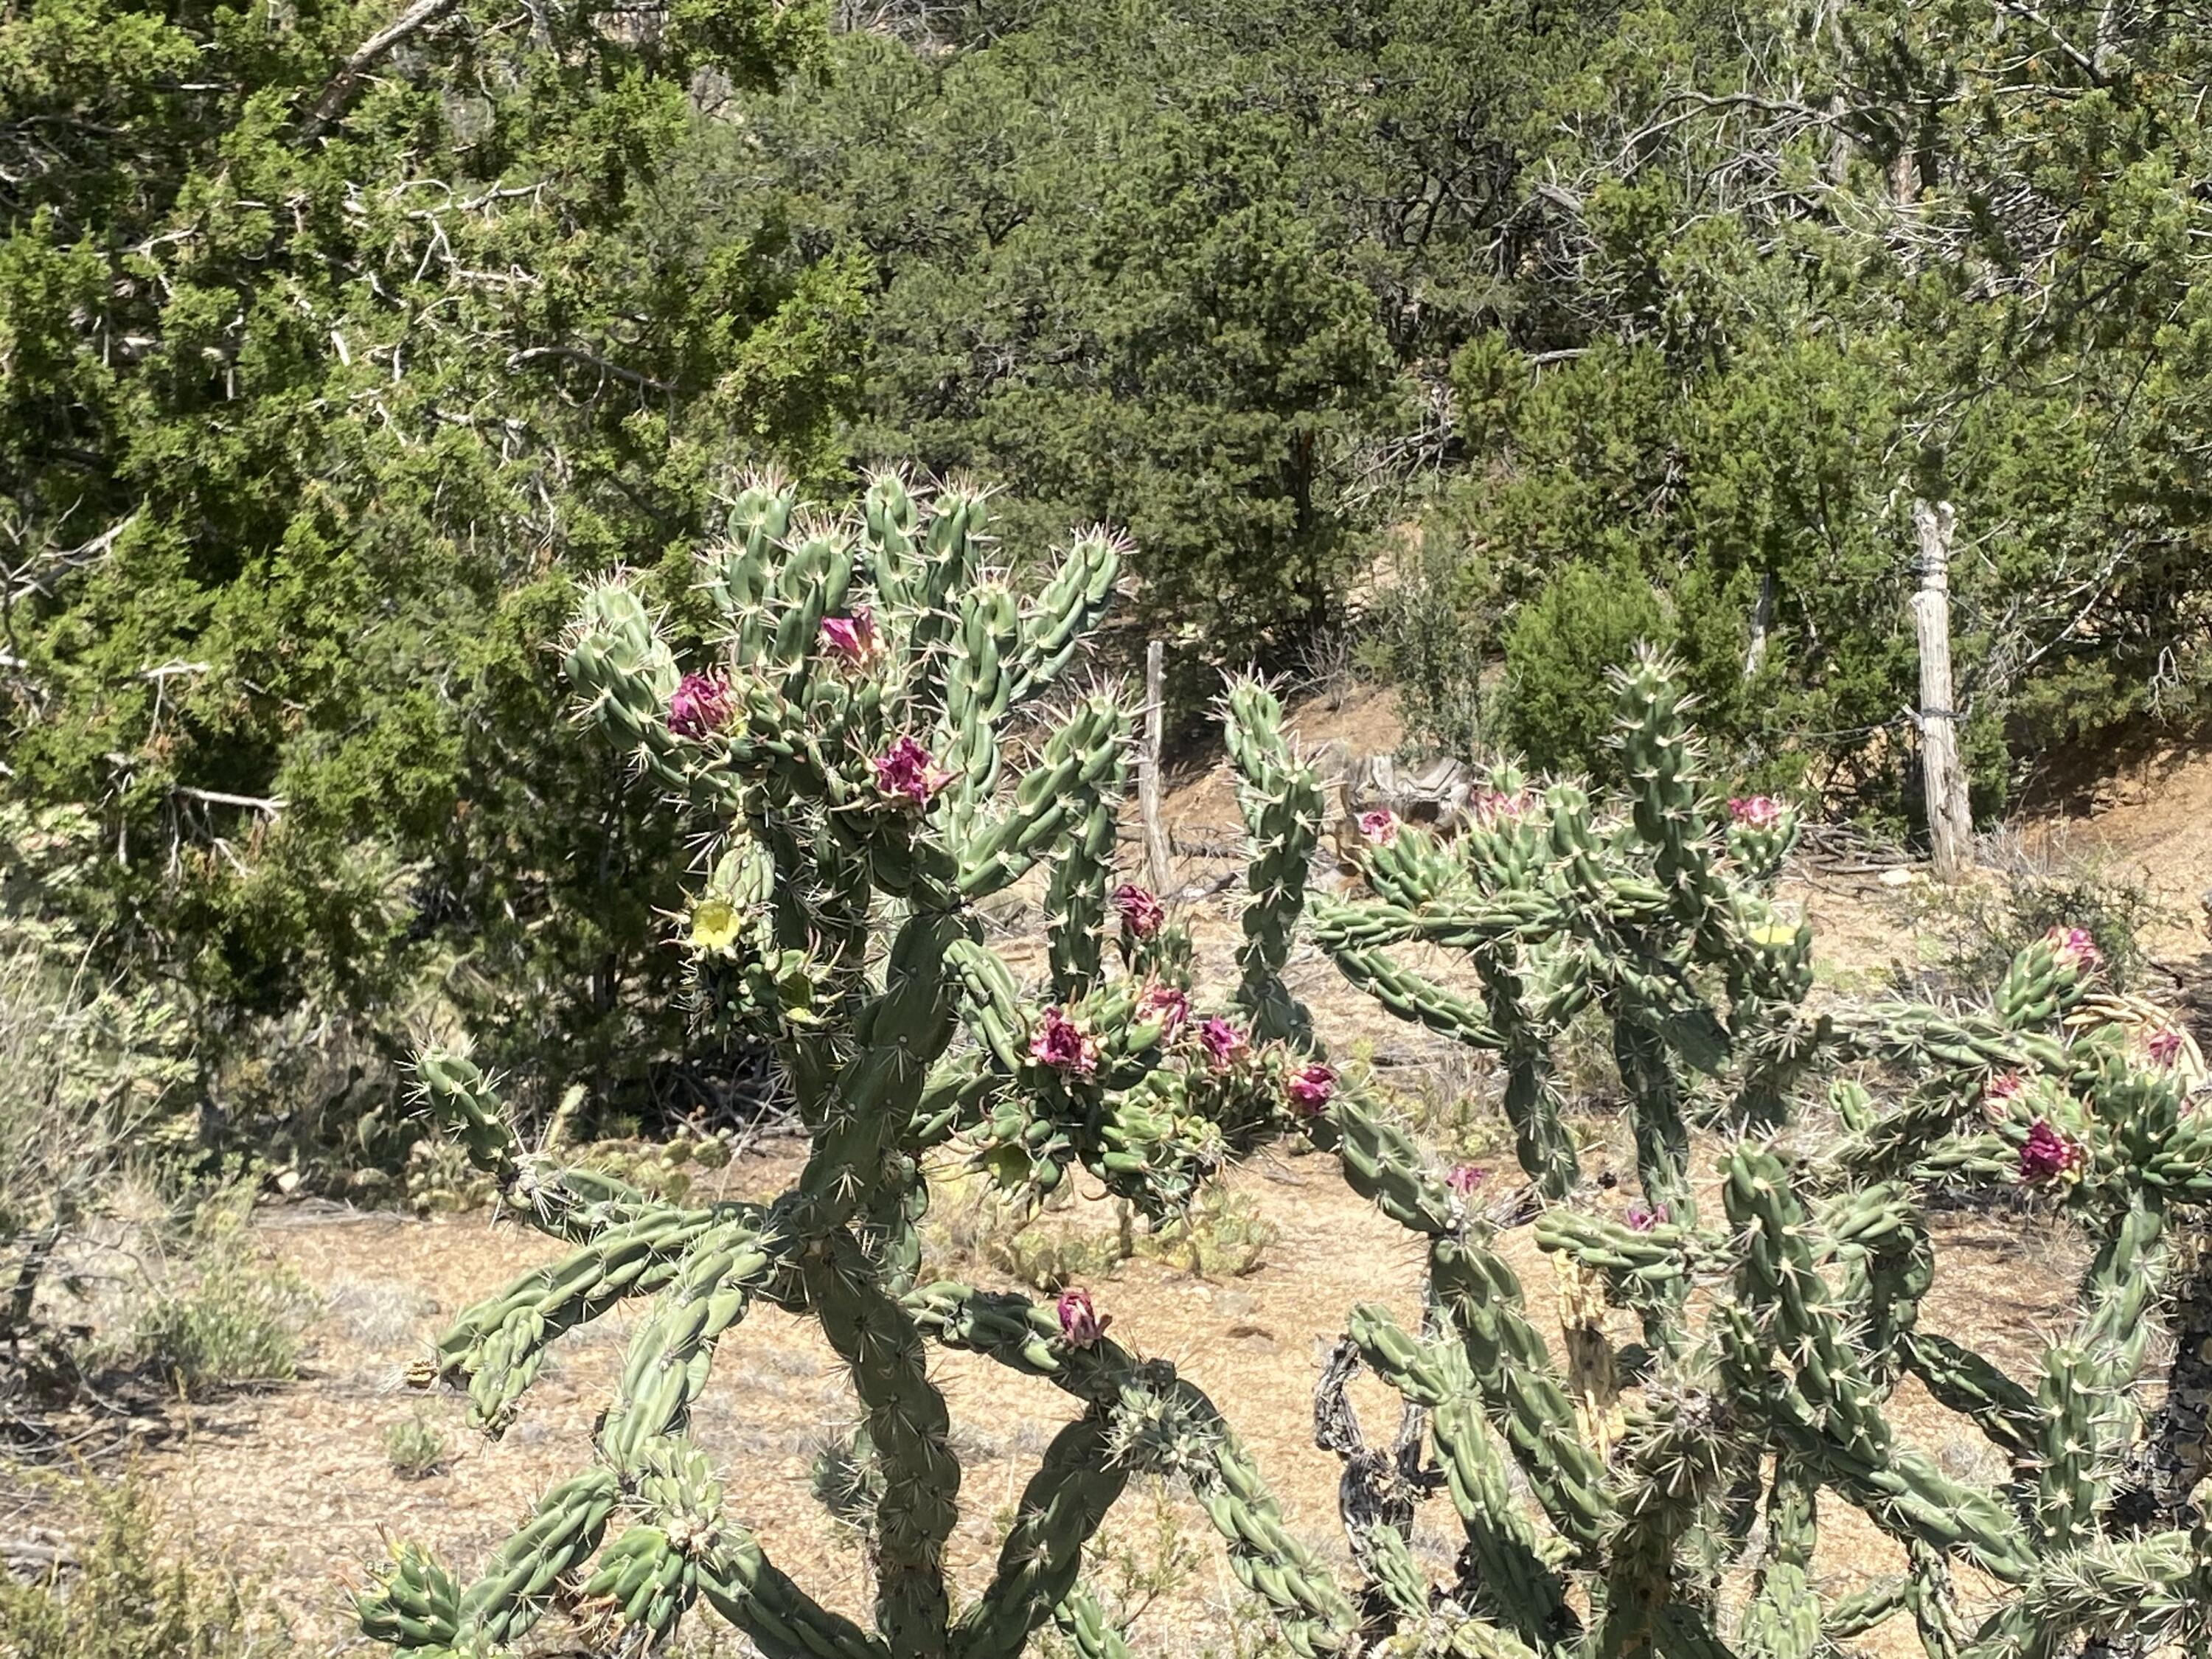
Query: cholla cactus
1776, 1330
851, 749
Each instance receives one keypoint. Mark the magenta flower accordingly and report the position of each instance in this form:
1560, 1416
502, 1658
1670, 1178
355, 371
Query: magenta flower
1464, 1178
1140, 911
699, 704
1223, 1043
1378, 828
2048, 1156
1164, 1005
1311, 1089
1079, 1322
1495, 807
1643, 1220
2074, 947
1061, 1043
903, 770
2165, 1047
1759, 811
852, 640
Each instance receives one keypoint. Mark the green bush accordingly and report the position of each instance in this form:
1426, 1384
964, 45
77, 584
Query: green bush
223, 1316
415, 1447
127, 1599
1587, 616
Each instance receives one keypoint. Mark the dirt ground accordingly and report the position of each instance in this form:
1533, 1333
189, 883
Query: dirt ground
294, 1489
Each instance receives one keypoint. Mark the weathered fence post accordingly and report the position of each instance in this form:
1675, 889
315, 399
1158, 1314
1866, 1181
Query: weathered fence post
1148, 767
1950, 826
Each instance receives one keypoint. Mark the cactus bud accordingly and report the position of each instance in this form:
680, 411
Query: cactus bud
1164, 1005
1061, 1043
1223, 1043
2165, 1046
1464, 1178
2048, 1156
2075, 948
699, 704
2003, 1089
1078, 1322
853, 640
1755, 811
1141, 913
1378, 828
1641, 1219
904, 772
1311, 1089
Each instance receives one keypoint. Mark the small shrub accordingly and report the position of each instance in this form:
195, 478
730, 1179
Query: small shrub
1984, 924
1222, 1235
127, 1600
1048, 1248
226, 1316
416, 1448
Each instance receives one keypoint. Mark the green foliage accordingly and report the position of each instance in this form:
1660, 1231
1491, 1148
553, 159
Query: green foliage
129, 1599
324, 388
1584, 613
222, 1313
415, 1447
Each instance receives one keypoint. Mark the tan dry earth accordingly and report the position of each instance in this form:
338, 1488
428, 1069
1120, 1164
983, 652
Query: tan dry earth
294, 1489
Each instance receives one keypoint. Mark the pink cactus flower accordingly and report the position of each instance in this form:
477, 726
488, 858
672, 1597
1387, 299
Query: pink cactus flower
1223, 1043
1464, 1178
2074, 947
1311, 1089
2004, 1086
1643, 1220
1061, 1043
1756, 811
2048, 1156
699, 704
1163, 1005
2165, 1047
852, 640
904, 771
1496, 806
1140, 911
1079, 1322
1378, 828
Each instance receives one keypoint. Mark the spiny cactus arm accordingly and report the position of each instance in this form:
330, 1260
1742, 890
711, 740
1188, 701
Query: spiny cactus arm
1672, 813
1075, 894
1083, 751
499, 1345
1649, 1271
1077, 1482
1163, 1421
1066, 609
515, 1591
1783, 1619
626, 674
1280, 796
1313, 1614
741, 1584
1083, 1623
1520, 1388
1511, 1579
1410, 996
1662, 1138
671, 1352
2152, 1589
2087, 1393
1677, 1457
1962, 1381
957, 1098
880, 1342
412, 1603
1382, 1163
1868, 1608
1923, 1037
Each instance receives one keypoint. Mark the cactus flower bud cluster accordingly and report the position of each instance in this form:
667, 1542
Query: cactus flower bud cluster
699, 704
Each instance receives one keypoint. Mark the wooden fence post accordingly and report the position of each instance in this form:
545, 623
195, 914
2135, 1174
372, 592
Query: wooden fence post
1950, 826
1148, 767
